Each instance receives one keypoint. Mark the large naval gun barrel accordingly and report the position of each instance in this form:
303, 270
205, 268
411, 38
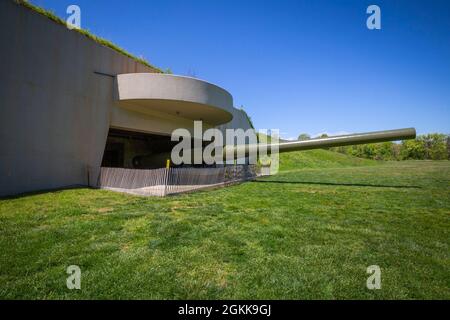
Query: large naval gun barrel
231, 152
335, 141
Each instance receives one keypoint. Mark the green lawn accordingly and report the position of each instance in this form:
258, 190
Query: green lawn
309, 232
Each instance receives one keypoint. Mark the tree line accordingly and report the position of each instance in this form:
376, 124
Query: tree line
433, 146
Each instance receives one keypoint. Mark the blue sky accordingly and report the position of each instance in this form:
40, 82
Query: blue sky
299, 66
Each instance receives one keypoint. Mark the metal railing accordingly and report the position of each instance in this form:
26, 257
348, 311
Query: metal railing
162, 182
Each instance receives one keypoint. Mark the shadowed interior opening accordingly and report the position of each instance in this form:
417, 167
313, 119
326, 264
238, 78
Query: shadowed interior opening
136, 150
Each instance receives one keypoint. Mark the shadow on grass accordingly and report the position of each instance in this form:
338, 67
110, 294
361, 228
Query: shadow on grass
337, 184
44, 191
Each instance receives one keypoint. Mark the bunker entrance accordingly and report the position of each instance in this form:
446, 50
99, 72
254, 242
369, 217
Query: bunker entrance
136, 150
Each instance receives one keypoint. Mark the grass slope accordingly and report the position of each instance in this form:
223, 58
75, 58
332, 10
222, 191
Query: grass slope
320, 158
302, 234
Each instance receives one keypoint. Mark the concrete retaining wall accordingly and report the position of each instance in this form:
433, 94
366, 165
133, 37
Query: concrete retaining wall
54, 110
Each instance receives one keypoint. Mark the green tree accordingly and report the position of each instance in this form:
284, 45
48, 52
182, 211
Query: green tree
413, 149
383, 151
435, 146
396, 150
448, 147
303, 136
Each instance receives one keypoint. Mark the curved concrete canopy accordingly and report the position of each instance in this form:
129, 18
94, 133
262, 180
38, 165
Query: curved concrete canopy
176, 95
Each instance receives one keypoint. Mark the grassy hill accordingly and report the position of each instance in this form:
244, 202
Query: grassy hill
320, 158
317, 158
302, 234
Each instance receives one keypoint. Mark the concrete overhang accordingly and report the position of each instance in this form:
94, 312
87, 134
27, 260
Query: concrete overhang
175, 95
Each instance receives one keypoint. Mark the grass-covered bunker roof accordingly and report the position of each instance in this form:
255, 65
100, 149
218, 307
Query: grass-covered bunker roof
50, 15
